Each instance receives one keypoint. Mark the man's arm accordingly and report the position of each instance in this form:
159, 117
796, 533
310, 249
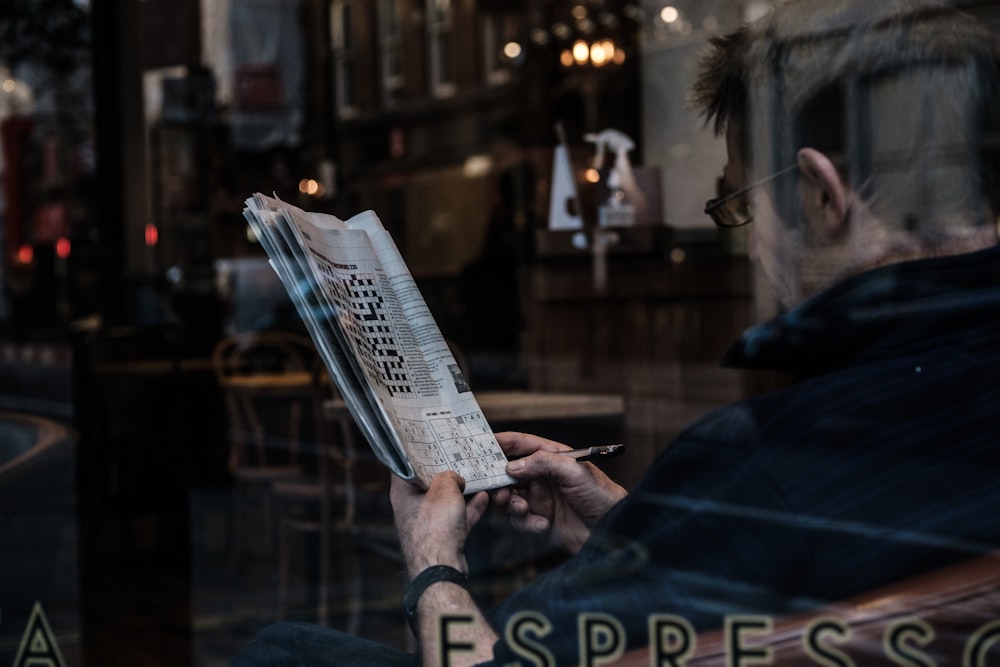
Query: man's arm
432, 529
452, 629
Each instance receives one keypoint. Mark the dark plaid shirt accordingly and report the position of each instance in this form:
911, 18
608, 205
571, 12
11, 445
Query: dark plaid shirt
881, 461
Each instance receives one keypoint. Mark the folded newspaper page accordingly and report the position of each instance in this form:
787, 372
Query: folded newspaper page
380, 343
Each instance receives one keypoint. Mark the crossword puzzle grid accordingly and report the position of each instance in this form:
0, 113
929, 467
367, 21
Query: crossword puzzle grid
462, 443
368, 325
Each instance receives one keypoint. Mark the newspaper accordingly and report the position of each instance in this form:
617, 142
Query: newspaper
380, 343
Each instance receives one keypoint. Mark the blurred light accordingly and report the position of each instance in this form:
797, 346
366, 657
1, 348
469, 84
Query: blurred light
25, 254
580, 52
755, 9
669, 14
63, 247
328, 177
677, 255
397, 142
579, 12
175, 275
539, 37
512, 50
477, 166
310, 186
9, 85
151, 234
633, 12
608, 20
566, 58
619, 56
592, 176
562, 31
597, 54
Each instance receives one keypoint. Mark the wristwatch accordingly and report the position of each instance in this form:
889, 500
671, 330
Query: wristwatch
422, 581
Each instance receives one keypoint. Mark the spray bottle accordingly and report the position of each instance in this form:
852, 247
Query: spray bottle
618, 210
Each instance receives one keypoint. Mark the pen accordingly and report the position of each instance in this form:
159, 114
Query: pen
595, 452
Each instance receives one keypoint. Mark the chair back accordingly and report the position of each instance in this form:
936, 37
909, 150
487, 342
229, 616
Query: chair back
268, 382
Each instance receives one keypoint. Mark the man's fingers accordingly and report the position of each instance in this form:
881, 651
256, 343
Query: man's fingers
515, 444
517, 506
445, 484
501, 496
475, 508
545, 464
532, 523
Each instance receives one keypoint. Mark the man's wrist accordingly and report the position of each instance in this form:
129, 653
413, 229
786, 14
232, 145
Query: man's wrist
424, 580
419, 560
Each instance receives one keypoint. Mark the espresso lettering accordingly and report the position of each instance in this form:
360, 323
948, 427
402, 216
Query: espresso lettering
445, 645
670, 640
602, 639
521, 633
673, 640
818, 650
897, 646
739, 654
979, 643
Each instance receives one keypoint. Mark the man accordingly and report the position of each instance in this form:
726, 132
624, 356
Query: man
856, 134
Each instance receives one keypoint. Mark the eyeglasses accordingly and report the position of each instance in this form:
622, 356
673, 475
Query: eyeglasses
733, 209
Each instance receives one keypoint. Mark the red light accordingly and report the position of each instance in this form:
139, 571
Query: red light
152, 234
63, 247
25, 254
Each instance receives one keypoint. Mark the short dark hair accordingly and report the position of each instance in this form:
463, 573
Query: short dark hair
830, 74
720, 89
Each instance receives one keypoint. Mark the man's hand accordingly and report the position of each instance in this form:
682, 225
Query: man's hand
433, 525
557, 495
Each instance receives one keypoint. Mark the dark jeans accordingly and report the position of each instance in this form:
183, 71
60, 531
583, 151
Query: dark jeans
302, 644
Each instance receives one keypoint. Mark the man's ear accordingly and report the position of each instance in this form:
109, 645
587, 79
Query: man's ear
824, 193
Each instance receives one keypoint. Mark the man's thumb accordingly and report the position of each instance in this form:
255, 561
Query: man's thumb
539, 464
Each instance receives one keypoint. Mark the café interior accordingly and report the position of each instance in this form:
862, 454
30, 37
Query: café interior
157, 507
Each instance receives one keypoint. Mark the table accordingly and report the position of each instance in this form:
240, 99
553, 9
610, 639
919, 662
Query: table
508, 406
264, 381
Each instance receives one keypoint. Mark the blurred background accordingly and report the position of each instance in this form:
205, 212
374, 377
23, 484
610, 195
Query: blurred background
132, 131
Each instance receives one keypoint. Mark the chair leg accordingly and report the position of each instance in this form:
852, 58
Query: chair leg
283, 565
355, 605
323, 596
236, 521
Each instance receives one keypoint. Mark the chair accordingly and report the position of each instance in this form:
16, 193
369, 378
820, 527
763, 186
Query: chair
347, 498
266, 381
949, 616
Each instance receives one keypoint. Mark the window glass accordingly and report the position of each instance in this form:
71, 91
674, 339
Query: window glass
342, 28
762, 260
391, 49
440, 37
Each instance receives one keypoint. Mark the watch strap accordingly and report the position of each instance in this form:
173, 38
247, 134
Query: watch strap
422, 581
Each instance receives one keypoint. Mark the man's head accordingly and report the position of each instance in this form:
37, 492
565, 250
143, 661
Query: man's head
870, 124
